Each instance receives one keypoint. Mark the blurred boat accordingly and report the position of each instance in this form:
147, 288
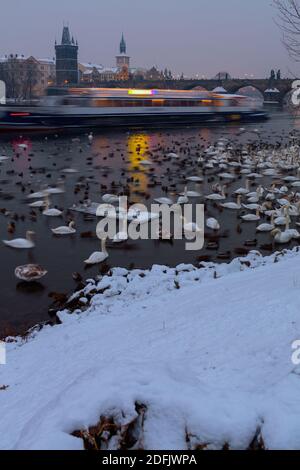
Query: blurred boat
68, 108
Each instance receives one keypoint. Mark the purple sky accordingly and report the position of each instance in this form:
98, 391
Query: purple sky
194, 36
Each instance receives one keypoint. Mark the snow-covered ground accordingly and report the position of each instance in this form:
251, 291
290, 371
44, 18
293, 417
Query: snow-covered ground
207, 351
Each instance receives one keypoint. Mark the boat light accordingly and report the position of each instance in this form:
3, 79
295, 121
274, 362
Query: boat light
142, 92
19, 114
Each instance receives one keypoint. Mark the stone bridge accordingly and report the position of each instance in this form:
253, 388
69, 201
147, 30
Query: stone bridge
231, 85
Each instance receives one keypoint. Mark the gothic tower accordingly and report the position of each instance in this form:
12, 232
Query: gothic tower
66, 59
122, 60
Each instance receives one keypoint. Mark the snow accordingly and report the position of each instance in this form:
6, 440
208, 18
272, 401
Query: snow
207, 350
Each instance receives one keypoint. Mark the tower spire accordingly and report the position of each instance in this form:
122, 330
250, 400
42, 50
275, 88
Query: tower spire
66, 37
122, 45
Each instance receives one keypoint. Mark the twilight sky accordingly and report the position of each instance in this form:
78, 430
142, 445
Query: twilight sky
191, 36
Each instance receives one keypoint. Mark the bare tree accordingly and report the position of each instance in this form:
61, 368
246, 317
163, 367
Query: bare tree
30, 79
9, 74
289, 22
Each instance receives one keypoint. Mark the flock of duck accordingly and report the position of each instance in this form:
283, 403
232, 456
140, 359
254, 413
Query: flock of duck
183, 171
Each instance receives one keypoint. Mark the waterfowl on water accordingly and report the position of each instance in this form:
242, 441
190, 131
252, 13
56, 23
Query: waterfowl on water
98, 256
251, 217
212, 224
233, 205
120, 237
51, 212
65, 230
30, 272
184, 198
110, 198
21, 243
281, 237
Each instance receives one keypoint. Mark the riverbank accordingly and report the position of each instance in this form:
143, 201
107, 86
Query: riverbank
205, 352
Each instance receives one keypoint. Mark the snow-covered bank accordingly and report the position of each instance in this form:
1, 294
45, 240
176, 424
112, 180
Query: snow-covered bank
208, 351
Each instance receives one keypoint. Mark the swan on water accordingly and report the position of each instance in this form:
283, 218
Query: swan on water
21, 243
98, 256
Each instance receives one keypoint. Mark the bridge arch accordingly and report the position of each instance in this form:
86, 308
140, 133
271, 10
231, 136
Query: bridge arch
251, 91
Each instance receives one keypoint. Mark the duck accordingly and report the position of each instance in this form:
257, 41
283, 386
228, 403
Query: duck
30, 272
65, 230
21, 243
98, 256
212, 224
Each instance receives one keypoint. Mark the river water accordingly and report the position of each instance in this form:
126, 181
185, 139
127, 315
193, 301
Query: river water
107, 165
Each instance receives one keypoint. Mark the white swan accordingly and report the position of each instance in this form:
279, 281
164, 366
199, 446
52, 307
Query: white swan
251, 217
164, 200
110, 198
37, 204
120, 237
51, 212
183, 199
217, 196
69, 171
65, 230
195, 179
233, 205
172, 155
212, 224
98, 256
281, 237
243, 190
59, 189
266, 227
190, 227
39, 194
21, 243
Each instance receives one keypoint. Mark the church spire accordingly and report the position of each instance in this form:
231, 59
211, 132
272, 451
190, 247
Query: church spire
122, 45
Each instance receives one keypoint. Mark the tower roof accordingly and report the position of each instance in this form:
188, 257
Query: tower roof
122, 45
66, 37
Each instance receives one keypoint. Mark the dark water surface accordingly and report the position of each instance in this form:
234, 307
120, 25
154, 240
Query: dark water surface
112, 160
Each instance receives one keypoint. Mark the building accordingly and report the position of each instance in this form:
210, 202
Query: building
122, 59
66, 59
47, 72
26, 77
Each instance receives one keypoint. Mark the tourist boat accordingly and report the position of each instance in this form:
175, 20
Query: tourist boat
67, 108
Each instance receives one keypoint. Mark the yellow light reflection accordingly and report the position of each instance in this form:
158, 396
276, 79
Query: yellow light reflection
137, 147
